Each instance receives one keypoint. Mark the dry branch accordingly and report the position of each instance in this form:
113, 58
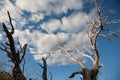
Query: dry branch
72, 58
85, 55
10, 48
96, 30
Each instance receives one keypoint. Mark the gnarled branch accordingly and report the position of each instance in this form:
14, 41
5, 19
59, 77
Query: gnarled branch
85, 55
72, 58
75, 73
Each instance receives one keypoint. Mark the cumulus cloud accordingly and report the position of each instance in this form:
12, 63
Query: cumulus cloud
77, 40
51, 26
49, 6
15, 12
45, 42
69, 30
23, 36
36, 17
62, 6
33, 5
74, 22
42, 44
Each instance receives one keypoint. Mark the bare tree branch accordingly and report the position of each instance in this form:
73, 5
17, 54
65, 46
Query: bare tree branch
10, 48
23, 51
23, 66
44, 68
113, 33
12, 30
113, 22
72, 58
105, 36
47, 56
96, 29
50, 75
40, 65
85, 55
75, 73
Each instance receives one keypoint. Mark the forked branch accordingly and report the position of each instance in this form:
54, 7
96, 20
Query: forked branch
85, 55
72, 58
15, 55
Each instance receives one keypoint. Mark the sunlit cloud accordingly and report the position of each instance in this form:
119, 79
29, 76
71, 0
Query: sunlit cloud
34, 23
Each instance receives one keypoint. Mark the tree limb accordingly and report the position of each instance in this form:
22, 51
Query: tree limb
11, 40
50, 75
85, 55
12, 30
113, 22
23, 66
23, 51
72, 58
75, 73
105, 36
40, 65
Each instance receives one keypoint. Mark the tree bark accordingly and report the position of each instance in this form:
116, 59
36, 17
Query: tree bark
15, 55
90, 74
44, 74
17, 73
5, 76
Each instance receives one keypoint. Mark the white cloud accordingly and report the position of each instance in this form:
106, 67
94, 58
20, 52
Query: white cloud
75, 22
23, 36
61, 59
36, 17
77, 40
46, 42
32, 5
15, 12
51, 25
62, 6
71, 29
62, 37
49, 6
58, 58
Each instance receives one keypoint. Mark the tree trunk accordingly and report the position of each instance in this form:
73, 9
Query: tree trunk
90, 74
15, 55
17, 73
44, 74
5, 76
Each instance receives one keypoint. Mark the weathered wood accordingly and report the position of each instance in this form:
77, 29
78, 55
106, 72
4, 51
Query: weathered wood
5, 76
10, 48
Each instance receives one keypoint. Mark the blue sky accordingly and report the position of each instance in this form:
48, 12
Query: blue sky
47, 22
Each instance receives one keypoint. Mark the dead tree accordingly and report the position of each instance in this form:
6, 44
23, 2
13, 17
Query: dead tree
5, 76
15, 55
96, 30
44, 74
44, 67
